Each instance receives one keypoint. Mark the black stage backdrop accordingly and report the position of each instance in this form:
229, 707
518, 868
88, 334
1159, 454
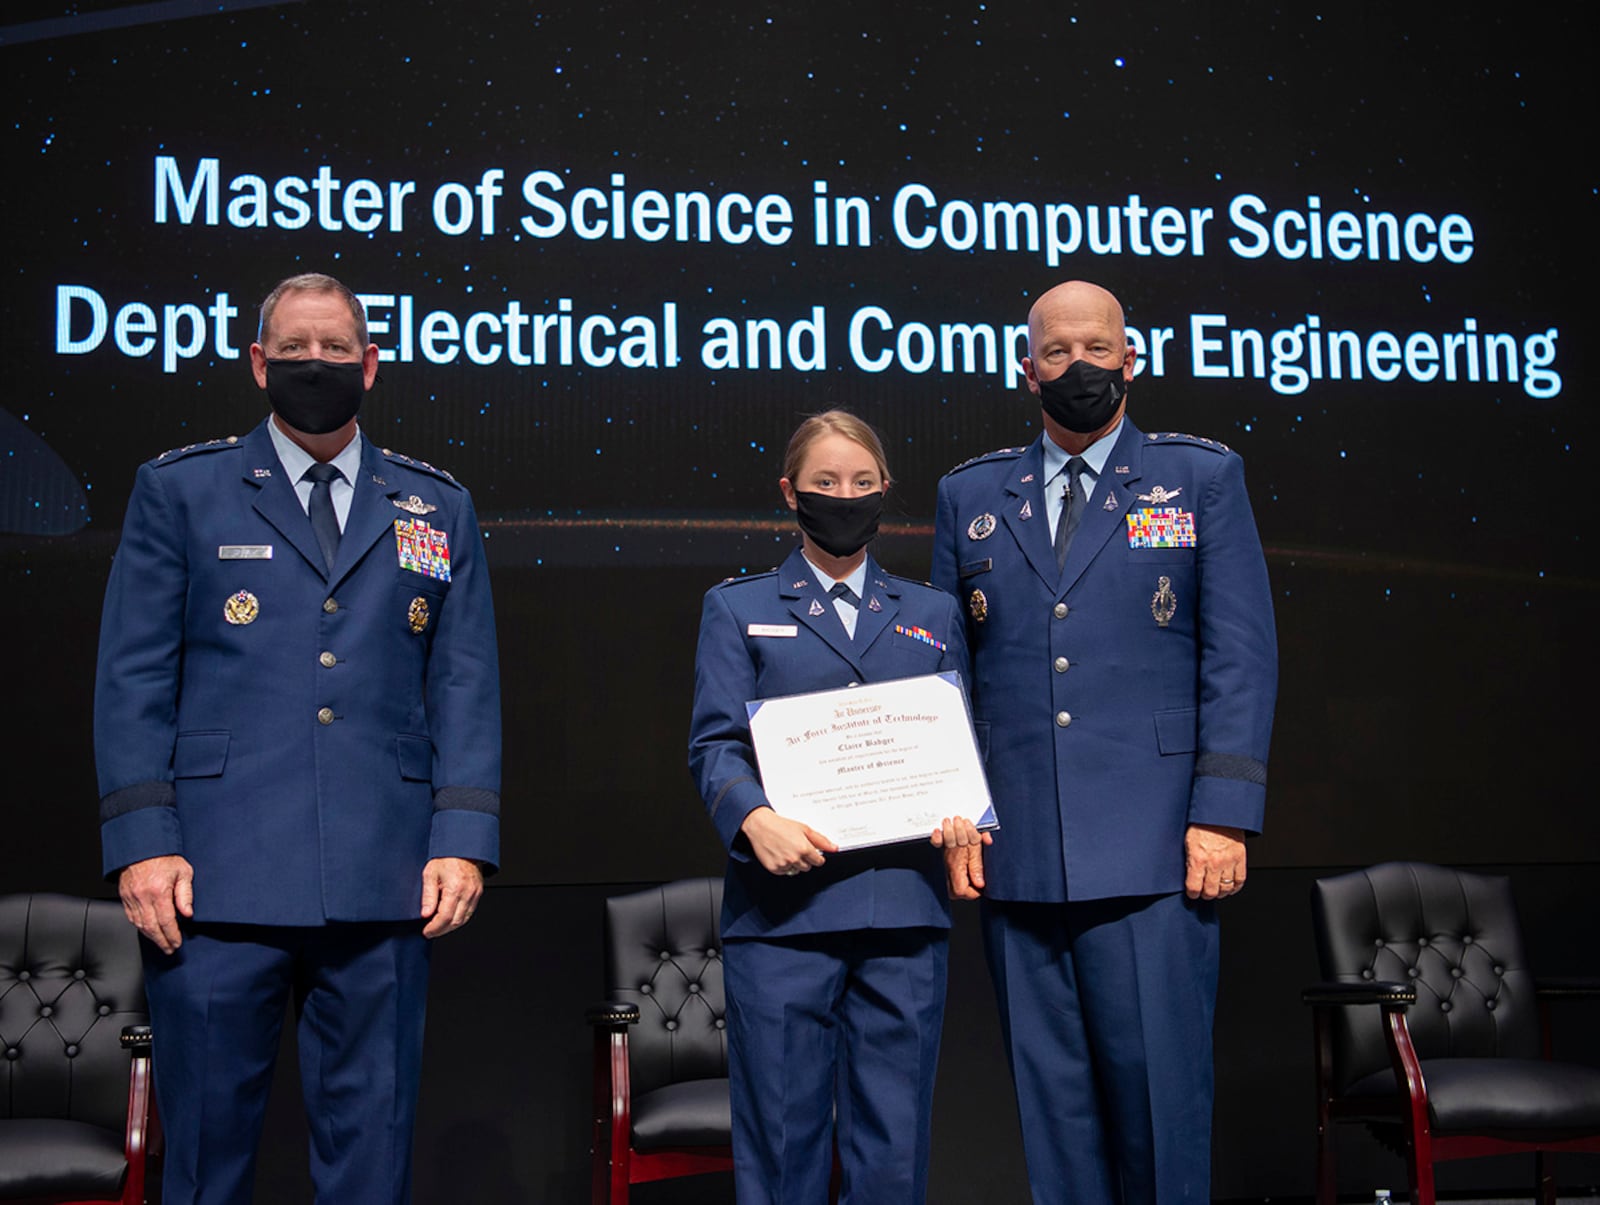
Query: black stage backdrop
613, 252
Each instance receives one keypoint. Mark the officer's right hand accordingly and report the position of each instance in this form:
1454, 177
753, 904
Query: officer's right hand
154, 893
963, 867
784, 846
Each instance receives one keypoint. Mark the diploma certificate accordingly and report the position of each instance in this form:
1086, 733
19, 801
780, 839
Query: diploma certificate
868, 765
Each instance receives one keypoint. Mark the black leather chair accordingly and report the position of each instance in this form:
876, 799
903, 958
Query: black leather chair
1431, 1030
660, 1041
75, 1122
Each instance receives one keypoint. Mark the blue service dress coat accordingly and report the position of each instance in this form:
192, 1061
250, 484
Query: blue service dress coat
1128, 695
894, 886
306, 739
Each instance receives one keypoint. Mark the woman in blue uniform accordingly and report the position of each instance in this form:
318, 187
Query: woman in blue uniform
834, 962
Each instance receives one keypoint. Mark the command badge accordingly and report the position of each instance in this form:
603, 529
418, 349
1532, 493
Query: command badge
1164, 603
241, 608
1161, 495
417, 614
981, 528
978, 604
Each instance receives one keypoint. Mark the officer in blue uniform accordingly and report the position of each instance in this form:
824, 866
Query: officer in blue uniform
297, 733
834, 962
1124, 661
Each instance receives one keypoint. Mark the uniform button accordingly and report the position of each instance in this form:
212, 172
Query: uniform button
1063, 719
1061, 665
330, 605
325, 715
328, 660
1060, 610
850, 684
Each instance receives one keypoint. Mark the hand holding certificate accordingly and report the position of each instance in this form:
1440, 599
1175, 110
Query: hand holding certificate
873, 764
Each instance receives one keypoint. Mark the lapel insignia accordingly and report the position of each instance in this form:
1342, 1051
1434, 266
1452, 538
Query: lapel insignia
1025, 480
414, 505
978, 604
1164, 603
873, 604
377, 480
1123, 469
417, 614
1027, 510
799, 585
816, 608
241, 608
1161, 495
981, 528
260, 473
1111, 502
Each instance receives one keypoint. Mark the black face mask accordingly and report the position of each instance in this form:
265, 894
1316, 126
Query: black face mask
1083, 398
315, 396
839, 526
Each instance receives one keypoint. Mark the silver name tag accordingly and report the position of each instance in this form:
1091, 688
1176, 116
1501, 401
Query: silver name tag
244, 552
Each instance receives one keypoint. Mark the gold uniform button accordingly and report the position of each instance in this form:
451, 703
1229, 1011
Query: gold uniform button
1061, 610
1063, 719
1061, 664
328, 660
325, 715
330, 605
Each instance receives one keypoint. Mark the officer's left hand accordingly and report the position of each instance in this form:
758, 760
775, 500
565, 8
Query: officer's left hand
451, 888
1214, 855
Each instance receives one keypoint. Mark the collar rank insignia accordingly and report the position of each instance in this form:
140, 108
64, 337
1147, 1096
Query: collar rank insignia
1027, 511
415, 505
981, 528
816, 608
260, 473
873, 604
1161, 495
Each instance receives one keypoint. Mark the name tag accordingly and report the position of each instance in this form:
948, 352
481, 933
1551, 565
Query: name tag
244, 552
772, 629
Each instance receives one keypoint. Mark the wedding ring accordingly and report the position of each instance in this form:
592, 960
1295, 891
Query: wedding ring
1225, 880
793, 870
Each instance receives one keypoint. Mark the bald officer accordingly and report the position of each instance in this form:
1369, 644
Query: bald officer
1124, 662
297, 731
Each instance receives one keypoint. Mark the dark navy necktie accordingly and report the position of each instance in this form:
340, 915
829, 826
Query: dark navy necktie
323, 521
1071, 509
845, 593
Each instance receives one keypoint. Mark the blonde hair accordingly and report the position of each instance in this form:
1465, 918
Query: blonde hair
832, 422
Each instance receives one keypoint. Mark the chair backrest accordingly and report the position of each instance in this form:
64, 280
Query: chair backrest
664, 953
1453, 936
70, 979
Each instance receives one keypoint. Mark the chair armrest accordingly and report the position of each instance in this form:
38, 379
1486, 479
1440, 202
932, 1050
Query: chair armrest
136, 1039
1375, 992
1566, 987
612, 1012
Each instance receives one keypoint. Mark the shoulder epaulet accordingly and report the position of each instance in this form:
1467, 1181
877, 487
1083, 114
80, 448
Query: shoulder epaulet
910, 581
1178, 437
172, 455
420, 465
997, 454
744, 577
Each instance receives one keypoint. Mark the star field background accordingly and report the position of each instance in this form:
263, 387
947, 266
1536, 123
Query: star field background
1428, 542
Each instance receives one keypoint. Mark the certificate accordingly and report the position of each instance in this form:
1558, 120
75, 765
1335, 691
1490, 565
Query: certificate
868, 765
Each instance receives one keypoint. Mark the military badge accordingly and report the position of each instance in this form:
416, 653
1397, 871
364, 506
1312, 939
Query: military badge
1164, 603
417, 614
241, 608
415, 505
978, 604
873, 604
816, 608
1161, 527
1161, 495
1026, 512
261, 473
1110, 502
981, 528
423, 549
1025, 480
